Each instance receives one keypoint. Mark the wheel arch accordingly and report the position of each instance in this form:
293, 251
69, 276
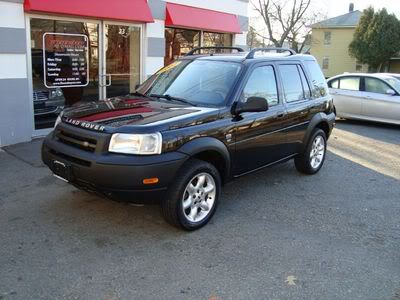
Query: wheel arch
212, 151
320, 121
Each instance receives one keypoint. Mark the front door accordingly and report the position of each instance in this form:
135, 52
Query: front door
121, 68
377, 104
259, 138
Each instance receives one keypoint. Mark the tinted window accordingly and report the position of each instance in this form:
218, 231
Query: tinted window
374, 85
319, 86
306, 87
262, 83
291, 80
334, 84
350, 83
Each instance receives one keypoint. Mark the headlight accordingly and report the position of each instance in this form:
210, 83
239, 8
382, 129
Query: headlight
58, 121
55, 93
144, 144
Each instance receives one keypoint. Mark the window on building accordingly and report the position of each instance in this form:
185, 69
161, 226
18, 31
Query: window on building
262, 83
291, 81
178, 42
374, 85
216, 39
327, 37
48, 98
325, 63
350, 83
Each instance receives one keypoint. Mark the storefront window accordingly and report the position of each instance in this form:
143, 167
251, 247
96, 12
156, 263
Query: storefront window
122, 59
179, 42
69, 71
217, 39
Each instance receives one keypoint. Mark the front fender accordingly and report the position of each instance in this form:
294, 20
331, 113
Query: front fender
203, 144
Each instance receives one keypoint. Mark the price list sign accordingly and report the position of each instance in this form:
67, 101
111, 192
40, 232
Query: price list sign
65, 60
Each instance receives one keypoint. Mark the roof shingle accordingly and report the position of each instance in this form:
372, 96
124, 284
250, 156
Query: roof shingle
350, 19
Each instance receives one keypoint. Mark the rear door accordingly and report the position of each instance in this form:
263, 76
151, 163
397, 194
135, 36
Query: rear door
347, 96
377, 104
297, 94
258, 135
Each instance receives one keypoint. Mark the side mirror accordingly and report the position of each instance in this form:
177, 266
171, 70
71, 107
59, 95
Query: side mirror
390, 92
253, 104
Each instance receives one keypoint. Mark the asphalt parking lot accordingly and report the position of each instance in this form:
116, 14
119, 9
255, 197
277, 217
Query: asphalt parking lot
276, 235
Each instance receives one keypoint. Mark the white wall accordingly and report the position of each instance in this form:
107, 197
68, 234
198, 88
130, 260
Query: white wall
235, 7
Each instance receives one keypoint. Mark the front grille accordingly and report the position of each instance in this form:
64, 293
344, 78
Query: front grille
81, 142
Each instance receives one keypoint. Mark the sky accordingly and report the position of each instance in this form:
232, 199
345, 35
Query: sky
333, 8
329, 8
340, 7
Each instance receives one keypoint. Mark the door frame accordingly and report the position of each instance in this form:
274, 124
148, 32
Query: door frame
102, 56
102, 59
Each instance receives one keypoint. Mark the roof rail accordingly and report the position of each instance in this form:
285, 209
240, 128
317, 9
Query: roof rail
191, 52
277, 49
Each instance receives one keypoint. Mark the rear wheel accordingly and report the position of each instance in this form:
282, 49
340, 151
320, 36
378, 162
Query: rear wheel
192, 199
313, 156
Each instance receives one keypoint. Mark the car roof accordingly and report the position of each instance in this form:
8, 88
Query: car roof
241, 57
375, 75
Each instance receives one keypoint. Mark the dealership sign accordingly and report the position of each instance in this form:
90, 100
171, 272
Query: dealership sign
65, 60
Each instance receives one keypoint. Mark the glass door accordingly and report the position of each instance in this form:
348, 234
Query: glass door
64, 66
122, 51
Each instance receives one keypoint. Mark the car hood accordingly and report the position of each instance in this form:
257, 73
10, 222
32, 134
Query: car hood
124, 113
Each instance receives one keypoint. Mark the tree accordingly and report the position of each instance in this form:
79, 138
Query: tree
376, 38
253, 39
285, 21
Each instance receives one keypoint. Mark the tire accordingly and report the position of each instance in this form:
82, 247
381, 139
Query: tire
304, 161
187, 189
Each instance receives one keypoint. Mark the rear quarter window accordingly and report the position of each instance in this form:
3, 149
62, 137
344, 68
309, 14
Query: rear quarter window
319, 85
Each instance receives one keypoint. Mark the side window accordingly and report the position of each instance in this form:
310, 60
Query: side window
262, 83
306, 87
334, 84
291, 80
374, 85
319, 88
350, 83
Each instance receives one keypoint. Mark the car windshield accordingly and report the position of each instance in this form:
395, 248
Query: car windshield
200, 82
394, 82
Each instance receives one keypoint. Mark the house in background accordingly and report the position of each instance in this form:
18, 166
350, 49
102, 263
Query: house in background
330, 40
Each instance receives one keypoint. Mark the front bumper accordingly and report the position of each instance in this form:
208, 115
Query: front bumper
116, 176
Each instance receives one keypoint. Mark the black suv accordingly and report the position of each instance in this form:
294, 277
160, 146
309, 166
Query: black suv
193, 126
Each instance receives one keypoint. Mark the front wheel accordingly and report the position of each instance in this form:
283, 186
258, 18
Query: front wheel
313, 156
192, 198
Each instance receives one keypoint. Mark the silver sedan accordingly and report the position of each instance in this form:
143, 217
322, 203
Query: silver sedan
372, 97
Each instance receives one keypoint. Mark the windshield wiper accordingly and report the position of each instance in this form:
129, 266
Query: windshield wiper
172, 98
142, 95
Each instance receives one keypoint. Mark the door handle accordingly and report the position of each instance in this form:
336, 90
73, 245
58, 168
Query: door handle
280, 114
107, 78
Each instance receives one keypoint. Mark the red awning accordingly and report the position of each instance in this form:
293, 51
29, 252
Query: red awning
122, 10
199, 18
